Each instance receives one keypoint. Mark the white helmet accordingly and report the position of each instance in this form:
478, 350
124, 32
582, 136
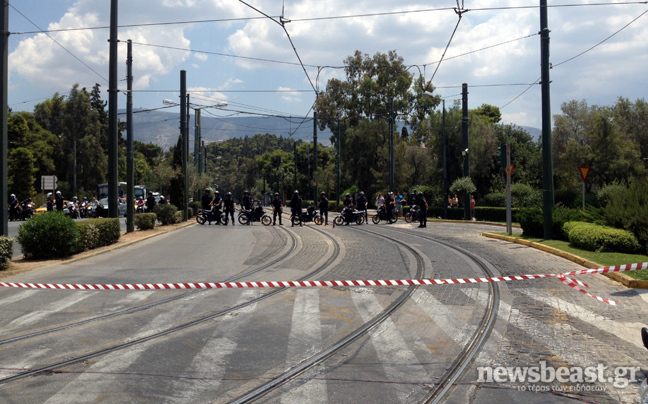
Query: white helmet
12, 195
58, 192
49, 194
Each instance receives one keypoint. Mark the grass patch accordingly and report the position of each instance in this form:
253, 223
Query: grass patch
603, 258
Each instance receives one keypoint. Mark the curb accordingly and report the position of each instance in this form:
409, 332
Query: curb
102, 250
622, 278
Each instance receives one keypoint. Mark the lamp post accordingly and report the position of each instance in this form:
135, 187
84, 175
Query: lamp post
429, 95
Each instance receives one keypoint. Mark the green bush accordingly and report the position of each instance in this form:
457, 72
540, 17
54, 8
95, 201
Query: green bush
166, 214
453, 214
179, 217
562, 215
523, 195
95, 233
629, 210
462, 186
532, 222
490, 214
569, 198
145, 221
6, 251
495, 199
193, 208
50, 235
597, 238
604, 194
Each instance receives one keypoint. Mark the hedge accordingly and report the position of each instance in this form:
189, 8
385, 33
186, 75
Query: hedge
50, 235
6, 251
166, 214
179, 217
95, 233
597, 238
145, 221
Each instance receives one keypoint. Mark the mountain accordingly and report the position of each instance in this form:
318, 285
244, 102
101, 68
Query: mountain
162, 128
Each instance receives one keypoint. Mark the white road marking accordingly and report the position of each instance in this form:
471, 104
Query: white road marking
18, 296
305, 340
54, 307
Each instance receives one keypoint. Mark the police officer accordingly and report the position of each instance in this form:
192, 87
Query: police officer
14, 207
423, 207
348, 203
323, 207
277, 209
389, 205
206, 200
246, 201
229, 206
150, 202
217, 204
296, 207
49, 202
361, 204
59, 201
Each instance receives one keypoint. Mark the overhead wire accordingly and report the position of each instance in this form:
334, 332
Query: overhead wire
41, 31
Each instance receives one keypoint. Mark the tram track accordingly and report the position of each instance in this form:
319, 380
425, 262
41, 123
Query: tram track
120, 346
447, 381
143, 307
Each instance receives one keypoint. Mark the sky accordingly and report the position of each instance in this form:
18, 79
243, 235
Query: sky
233, 53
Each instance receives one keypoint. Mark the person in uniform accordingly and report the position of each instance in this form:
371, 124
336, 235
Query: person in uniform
277, 209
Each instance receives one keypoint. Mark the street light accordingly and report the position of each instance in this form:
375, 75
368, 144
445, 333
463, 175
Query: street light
429, 95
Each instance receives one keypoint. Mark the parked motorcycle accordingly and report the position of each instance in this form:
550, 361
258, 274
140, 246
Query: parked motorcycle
413, 214
309, 215
382, 215
350, 215
207, 215
71, 210
255, 215
26, 210
643, 388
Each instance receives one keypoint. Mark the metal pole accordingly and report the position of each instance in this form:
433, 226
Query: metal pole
295, 161
4, 142
74, 166
185, 143
583, 195
112, 113
130, 172
445, 172
204, 157
509, 215
315, 153
392, 122
338, 163
197, 139
309, 172
466, 168
547, 163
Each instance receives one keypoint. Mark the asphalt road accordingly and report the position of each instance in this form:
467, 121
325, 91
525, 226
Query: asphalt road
400, 360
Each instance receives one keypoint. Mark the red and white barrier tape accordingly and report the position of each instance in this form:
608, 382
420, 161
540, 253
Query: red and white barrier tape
564, 278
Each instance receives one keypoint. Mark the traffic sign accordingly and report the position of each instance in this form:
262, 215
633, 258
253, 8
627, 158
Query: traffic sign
584, 171
48, 182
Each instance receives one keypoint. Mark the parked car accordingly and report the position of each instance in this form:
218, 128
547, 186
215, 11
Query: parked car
43, 209
101, 208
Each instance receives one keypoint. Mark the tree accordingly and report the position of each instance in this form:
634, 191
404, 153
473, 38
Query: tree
21, 172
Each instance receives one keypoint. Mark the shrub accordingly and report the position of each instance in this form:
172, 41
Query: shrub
193, 208
462, 186
593, 237
532, 222
145, 221
628, 210
495, 199
166, 214
179, 217
50, 235
453, 214
523, 195
491, 214
604, 194
95, 233
569, 198
6, 251
562, 215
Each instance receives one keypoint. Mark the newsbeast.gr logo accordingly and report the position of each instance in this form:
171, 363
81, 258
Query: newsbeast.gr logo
620, 376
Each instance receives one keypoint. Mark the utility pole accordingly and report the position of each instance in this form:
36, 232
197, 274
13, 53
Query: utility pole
308, 192
445, 171
392, 123
547, 160
4, 142
185, 140
197, 139
130, 172
465, 152
74, 165
315, 153
295, 162
338, 163
112, 112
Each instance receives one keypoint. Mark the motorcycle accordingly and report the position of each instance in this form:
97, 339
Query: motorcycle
382, 215
207, 215
350, 215
255, 215
84, 209
71, 210
413, 214
309, 215
643, 388
140, 207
